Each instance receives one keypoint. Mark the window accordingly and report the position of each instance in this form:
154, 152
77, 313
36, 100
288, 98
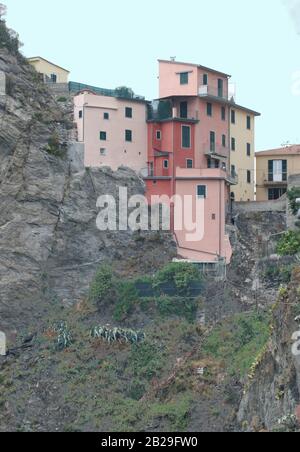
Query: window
166, 164
158, 135
233, 144
186, 137
102, 151
106, 116
232, 116
248, 177
233, 171
205, 79
128, 135
209, 109
201, 191
277, 170
220, 87
276, 193
80, 114
224, 141
212, 141
184, 78
189, 164
249, 122
128, 112
223, 113
103, 136
151, 169
248, 149
183, 110
53, 78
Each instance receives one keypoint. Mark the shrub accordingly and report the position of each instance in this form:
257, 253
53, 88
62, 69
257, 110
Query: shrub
179, 306
102, 288
62, 99
238, 341
128, 297
294, 194
181, 274
289, 244
9, 39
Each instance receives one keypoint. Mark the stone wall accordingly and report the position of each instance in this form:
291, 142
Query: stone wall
261, 206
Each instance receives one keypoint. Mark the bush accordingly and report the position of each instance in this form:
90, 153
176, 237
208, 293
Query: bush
293, 194
289, 244
9, 39
102, 288
181, 274
128, 297
179, 306
238, 341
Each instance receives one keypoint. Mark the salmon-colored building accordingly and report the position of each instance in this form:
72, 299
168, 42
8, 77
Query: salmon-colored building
189, 153
113, 130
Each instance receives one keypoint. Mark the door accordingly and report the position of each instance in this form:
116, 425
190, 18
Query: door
184, 110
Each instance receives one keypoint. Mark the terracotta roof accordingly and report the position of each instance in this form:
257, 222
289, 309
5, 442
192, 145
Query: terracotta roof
288, 150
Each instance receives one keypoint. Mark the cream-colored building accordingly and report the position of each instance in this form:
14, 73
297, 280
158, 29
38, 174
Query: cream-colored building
49, 71
273, 169
242, 155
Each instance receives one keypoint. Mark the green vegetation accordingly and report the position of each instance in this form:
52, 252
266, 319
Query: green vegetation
289, 244
9, 39
280, 273
181, 274
125, 298
54, 146
293, 194
102, 287
62, 99
238, 341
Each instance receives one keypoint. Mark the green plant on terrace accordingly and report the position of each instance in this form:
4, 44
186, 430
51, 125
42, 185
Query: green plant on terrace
289, 244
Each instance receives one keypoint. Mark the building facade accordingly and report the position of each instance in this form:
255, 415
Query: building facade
113, 130
273, 169
242, 152
50, 72
189, 153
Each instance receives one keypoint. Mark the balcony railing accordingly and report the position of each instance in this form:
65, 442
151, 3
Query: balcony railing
215, 150
210, 91
233, 178
275, 180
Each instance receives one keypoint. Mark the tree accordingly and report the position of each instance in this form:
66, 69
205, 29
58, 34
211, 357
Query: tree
124, 91
3, 11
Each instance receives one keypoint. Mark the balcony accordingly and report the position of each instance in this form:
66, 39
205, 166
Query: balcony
233, 178
206, 91
216, 151
272, 180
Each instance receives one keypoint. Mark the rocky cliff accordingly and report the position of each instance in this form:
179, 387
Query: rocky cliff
272, 397
50, 247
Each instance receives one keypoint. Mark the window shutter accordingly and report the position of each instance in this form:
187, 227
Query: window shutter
271, 170
284, 170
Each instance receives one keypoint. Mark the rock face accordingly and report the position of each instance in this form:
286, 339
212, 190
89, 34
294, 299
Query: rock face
50, 246
274, 391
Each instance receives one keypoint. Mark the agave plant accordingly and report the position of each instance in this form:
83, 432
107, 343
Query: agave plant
120, 335
64, 338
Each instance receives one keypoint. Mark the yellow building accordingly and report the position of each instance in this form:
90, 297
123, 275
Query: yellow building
49, 71
242, 155
273, 169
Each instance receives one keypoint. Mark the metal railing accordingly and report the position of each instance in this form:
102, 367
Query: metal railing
210, 91
76, 87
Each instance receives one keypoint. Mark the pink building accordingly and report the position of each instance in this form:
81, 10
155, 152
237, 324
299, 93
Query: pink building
113, 130
189, 153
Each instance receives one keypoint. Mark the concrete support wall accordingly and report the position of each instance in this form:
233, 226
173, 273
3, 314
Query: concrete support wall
2, 83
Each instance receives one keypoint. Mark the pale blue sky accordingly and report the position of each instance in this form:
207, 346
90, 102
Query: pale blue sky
115, 42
